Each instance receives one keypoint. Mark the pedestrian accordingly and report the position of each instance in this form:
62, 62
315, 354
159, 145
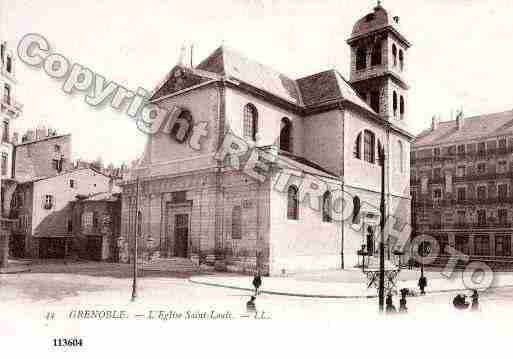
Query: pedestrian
475, 301
460, 301
257, 282
422, 284
402, 302
390, 308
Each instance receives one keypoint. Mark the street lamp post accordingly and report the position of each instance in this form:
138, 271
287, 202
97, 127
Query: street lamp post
136, 234
381, 153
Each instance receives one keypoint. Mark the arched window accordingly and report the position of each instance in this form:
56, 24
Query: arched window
182, 126
394, 103
394, 54
250, 122
356, 209
401, 156
369, 143
292, 203
401, 60
286, 135
236, 222
361, 58
357, 150
401, 106
326, 207
376, 55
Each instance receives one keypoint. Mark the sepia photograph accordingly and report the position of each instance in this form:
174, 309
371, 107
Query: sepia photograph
256, 178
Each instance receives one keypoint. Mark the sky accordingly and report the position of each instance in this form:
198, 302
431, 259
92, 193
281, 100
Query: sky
461, 55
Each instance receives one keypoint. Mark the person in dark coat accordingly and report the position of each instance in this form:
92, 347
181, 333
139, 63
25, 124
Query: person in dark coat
257, 282
390, 307
460, 301
475, 301
402, 302
422, 284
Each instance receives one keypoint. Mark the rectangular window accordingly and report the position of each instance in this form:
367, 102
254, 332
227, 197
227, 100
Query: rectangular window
481, 192
87, 220
502, 144
462, 194
461, 218
71, 183
461, 149
503, 245
436, 153
48, 204
95, 220
5, 163
437, 173
482, 245
5, 131
461, 243
460, 171
502, 190
481, 168
502, 167
70, 225
437, 193
481, 148
502, 215
481, 217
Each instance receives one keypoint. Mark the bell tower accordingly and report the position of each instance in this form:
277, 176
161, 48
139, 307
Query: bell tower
378, 64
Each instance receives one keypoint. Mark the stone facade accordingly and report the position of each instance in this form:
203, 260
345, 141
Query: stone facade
186, 202
461, 181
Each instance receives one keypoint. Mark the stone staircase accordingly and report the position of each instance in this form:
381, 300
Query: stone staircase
173, 264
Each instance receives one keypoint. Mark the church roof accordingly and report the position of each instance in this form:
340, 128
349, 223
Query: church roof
473, 128
230, 63
308, 91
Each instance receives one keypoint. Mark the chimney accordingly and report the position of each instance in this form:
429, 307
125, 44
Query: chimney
459, 120
41, 132
30, 136
15, 138
111, 184
434, 122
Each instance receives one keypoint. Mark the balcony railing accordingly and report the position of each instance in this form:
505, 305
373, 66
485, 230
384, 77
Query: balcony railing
458, 156
468, 225
457, 202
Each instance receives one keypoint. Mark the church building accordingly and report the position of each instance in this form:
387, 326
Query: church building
318, 205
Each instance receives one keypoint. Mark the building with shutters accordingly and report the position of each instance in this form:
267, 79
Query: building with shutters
462, 185
195, 205
10, 109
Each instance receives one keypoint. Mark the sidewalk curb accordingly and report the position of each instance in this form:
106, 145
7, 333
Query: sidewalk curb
15, 271
326, 296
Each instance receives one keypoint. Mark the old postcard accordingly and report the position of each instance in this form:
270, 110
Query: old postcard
256, 178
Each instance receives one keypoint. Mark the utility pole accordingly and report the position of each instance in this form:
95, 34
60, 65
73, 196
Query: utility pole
136, 235
381, 153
